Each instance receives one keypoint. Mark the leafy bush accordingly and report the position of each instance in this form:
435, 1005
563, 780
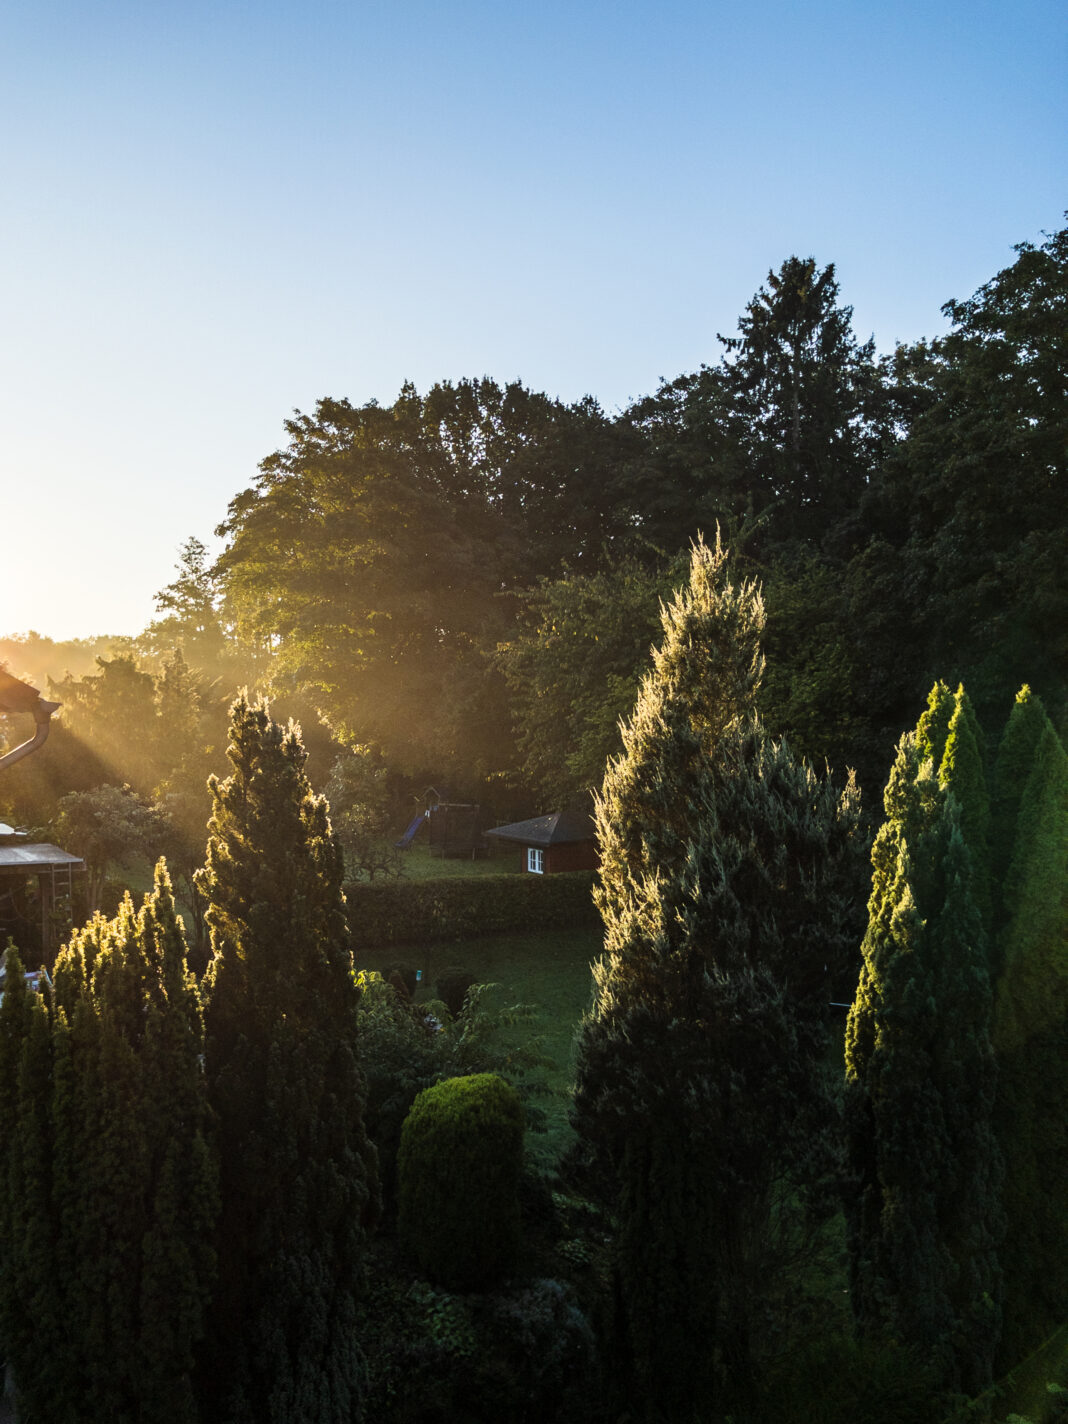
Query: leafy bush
400, 1053
430, 911
524, 1353
108, 826
458, 1180
548, 1350
405, 1048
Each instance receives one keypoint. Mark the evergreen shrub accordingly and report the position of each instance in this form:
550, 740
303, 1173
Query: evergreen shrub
458, 1180
429, 911
451, 988
402, 977
837, 1380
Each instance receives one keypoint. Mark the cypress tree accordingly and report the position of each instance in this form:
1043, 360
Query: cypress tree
932, 730
31, 1315
109, 1170
1015, 758
924, 1218
1031, 1037
723, 889
963, 771
297, 1174
177, 1252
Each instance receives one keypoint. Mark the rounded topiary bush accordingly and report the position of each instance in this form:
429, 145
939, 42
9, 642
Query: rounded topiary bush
458, 1180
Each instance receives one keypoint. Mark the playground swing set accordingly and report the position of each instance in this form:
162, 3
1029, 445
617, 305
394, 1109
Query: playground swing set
452, 828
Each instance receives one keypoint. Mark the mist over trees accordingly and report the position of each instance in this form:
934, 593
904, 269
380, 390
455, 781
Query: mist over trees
466, 581
903, 513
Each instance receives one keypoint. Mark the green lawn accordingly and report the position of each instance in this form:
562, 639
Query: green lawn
419, 864
550, 970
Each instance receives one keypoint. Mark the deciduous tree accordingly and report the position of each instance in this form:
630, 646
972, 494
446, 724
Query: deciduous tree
371, 553
974, 503
107, 826
113, 711
191, 619
573, 667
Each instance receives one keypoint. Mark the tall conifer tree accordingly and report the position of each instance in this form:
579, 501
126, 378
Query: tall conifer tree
1015, 758
725, 866
932, 729
925, 1218
298, 1175
1031, 1033
963, 771
110, 1195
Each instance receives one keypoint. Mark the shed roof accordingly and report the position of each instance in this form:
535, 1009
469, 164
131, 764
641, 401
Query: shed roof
37, 857
561, 828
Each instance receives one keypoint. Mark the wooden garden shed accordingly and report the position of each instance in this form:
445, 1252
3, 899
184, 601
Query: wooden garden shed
563, 841
36, 890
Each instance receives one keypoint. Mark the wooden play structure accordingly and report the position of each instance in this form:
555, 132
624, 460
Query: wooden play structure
450, 828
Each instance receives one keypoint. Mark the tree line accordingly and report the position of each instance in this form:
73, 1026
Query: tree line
465, 583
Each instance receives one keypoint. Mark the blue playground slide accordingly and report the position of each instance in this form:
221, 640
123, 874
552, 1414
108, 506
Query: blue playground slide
411, 833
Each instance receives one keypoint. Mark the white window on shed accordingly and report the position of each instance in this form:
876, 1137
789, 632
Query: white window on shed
535, 860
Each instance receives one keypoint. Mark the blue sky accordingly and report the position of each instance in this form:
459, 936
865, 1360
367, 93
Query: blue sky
214, 213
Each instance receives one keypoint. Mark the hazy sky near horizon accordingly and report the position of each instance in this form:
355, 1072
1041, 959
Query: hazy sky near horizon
213, 214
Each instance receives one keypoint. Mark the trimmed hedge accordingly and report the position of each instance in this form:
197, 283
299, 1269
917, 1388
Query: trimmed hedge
458, 1169
461, 908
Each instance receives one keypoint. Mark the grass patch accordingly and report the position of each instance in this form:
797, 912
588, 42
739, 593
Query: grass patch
418, 863
550, 970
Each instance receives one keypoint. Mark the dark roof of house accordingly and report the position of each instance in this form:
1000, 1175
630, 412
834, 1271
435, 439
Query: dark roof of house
561, 828
16, 696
